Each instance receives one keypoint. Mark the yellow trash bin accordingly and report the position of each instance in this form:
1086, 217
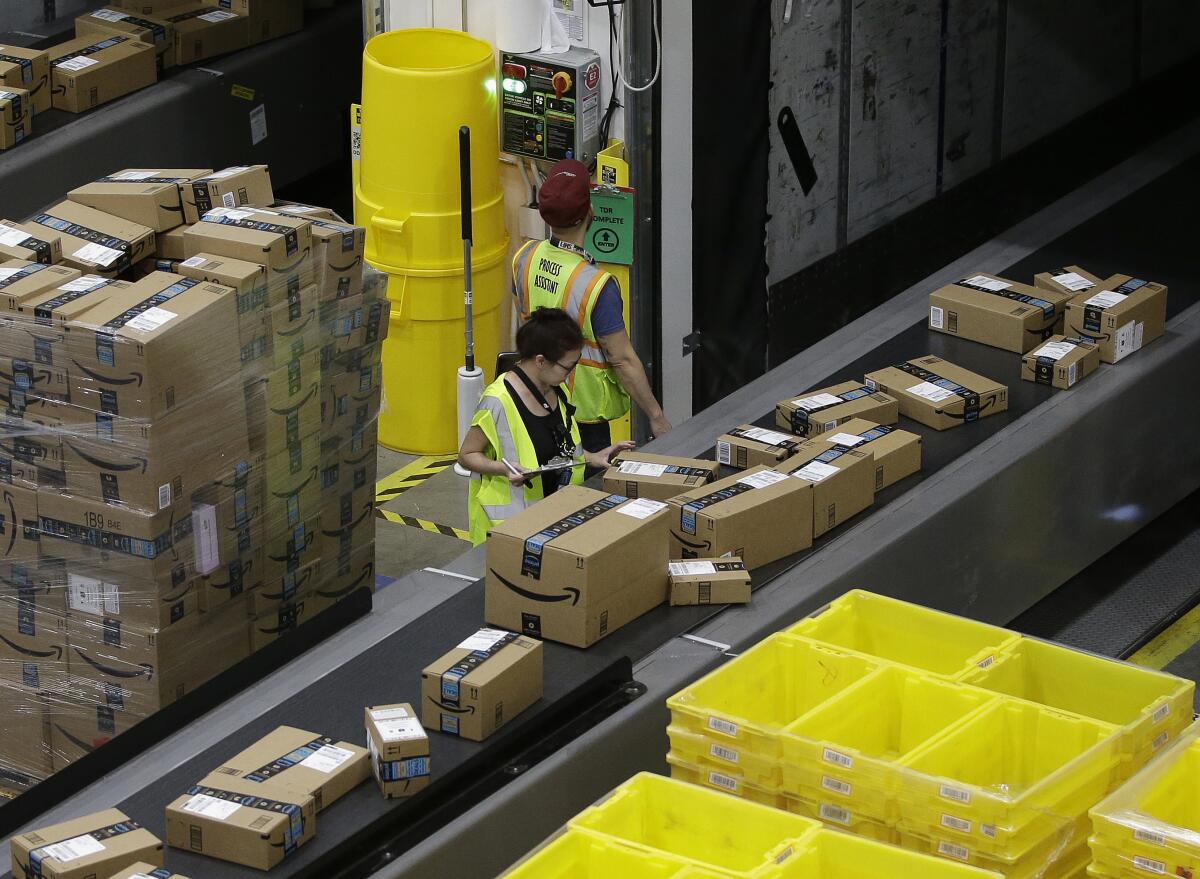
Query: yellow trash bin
419, 86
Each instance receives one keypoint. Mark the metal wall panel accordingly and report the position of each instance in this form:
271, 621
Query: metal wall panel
970, 98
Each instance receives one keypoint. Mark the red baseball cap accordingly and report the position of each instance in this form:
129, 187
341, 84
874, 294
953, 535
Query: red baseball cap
564, 198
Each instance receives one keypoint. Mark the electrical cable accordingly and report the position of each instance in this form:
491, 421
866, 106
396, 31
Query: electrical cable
613, 96
528, 185
658, 54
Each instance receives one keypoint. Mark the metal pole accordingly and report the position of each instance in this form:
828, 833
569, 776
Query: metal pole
464, 172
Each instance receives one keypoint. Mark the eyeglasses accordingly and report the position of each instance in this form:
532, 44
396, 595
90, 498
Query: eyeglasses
566, 368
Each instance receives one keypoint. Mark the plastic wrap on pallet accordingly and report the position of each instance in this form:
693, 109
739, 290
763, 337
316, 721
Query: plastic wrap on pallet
187, 467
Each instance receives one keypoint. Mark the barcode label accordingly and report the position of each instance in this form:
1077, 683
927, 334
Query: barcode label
836, 785
784, 855
1149, 836
950, 850
959, 824
988, 830
837, 758
722, 726
836, 814
1158, 868
727, 754
870, 383
1072, 374
1161, 713
725, 782
723, 455
987, 663
936, 317
164, 496
957, 794
229, 200
1160, 740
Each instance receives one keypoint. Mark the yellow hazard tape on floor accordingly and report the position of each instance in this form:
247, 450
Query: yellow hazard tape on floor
410, 476
423, 524
1171, 643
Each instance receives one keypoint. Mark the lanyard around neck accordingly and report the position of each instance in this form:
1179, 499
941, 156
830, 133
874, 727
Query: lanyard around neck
560, 423
555, 241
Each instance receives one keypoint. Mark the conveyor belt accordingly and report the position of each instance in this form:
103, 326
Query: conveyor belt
389, 671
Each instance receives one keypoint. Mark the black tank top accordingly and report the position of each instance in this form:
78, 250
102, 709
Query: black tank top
544, 444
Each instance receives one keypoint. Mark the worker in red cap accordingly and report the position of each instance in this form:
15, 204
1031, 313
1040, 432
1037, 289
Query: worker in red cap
560, 273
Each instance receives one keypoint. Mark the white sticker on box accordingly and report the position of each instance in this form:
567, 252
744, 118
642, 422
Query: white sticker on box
959, 824
110, 15
641, 508
763, 478
1149, 865
73, 849
5, 274
229, 200
1139, 333
836, 785
729, 755
684, 569
87, 282
834, 813
136, 175
194, 262
1073, 281
219, 15
1123, 343
79, 62
151, 319
816, 471
724, 727
642, 468
817, 401
1106, 299
484, 639
950, 850
845, 439
205, 538
389, 713
402, 729
89, 595
1072, 373
228, 212
987, 283
936, 317
98, 253
724, 452
725, 782
930, 391
327, 758
1055, 350
837, 758
210, 807
11, 236
772, 437
871, 384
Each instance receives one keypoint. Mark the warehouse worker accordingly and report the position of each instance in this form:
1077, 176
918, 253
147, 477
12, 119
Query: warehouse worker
524, 421
560, 273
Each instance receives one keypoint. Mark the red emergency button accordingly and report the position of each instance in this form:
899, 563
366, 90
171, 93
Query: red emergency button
562, 83
514, 71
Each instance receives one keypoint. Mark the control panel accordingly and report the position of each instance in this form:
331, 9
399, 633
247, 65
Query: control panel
550, 105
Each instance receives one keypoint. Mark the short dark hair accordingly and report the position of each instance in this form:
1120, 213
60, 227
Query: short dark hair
550, 332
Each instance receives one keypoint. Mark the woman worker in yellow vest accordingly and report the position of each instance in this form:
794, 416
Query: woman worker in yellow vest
524, 421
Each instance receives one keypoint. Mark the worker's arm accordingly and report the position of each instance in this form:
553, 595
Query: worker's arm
472, 455
632, 374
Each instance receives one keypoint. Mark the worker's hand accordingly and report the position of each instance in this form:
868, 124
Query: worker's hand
659, 426
518, 479
602, 457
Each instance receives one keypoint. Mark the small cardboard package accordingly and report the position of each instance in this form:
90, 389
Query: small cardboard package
149, 196
29, 241
759, 516
21, 279
939, 394
169, 244
399, 749
842, 477
481, 684
237, 820
302, 761
818, 411
657, 477
1120, 318
16, 114
96, 242
997, 312
709, 581
46, 321
93, 70
1060, 362
142, 870
897, 452
228, 188
156, 32
27, 69
577, 565
95, 845
204, 30
1072, 280
749, 446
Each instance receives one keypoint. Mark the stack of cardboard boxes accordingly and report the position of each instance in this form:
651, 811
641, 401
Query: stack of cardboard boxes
187, 457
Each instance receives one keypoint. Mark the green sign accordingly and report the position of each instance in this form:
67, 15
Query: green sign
610, 238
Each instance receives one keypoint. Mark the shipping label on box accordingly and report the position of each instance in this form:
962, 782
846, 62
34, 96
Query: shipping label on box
156, 32
27, 69
842, 477
481, 684
750, 446
29, 241
1120, 318
577, 565
759, 516
148, 196
95, 845
897, 452
637, 474
1060, 362
93, 70
21, 279
399, 749
1072, 280
228, 188
997, 312
939, 394
709, 581
95, 242
823, 410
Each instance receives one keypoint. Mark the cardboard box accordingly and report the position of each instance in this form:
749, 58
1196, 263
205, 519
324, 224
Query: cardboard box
95, 242
337, 251
1060, 362
481, 684
399, 749
157, 33
237, 820
285, 407
268, 19
33, 620
169, 244
897, 452
577, 565
227, 188
204, 31
19, 529
1124, 315
842, 477
21, 279
27, 69
273, 619
165, 344
25, 749
353, 397
304, 762
29, 241
1072, 280
16, 114
750, 446
354, 322
759, 516
96, 845
247, 279
818, 411
81, 720
143, 870
939, 394
236, 576
709, 581
31, 457
94, 594
657, 477
292, 320
340, 579
46, 320
148, 196
93, 70
25, 379
997, 312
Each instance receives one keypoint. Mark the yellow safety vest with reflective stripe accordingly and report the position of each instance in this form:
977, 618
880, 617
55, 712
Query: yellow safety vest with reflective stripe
546, 276
492, 499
